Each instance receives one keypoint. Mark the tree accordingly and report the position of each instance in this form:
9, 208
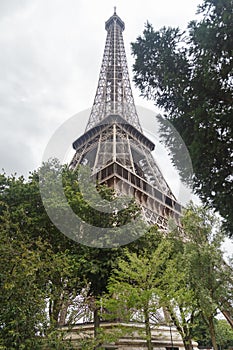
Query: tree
61, 270
22, 300
133, 285
196, 279
203, 265
224, 334
28, 289
176, 296
189, 75
21, 200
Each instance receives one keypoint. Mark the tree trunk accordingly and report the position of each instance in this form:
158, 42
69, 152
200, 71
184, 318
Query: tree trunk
148, 330
182, 330
54, 309
96, 322
212, 334
96, 325
188, 344
63, 313
228, 317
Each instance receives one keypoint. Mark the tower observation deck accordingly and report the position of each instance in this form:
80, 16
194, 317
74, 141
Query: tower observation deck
114, 146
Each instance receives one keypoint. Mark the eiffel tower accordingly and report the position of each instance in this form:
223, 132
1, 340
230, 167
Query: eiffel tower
114, 145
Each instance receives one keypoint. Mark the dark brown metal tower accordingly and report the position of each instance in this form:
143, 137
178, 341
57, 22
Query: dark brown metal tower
114, 146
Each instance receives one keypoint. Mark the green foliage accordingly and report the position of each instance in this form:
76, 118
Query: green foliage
207, 272
22, 299
175, 294
224, 334
189, 75
134, 279
203, 279
134, 284
45, 276
48, 280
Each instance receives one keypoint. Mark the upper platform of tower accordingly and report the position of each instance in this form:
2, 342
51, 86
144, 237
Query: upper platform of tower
114, 93
114, 19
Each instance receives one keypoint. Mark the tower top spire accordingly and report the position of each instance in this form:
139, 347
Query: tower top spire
114, 95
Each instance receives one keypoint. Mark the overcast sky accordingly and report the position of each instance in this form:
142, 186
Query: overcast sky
51, 52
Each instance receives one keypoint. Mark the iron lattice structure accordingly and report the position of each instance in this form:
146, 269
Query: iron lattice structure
114, 94
114, 146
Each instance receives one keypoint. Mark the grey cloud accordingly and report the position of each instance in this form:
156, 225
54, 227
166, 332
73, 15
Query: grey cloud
9, 7
15, 155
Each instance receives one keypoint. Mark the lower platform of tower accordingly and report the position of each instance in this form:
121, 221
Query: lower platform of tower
156, 207
164, 337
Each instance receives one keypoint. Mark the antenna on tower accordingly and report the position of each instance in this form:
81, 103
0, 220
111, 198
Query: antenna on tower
114, 10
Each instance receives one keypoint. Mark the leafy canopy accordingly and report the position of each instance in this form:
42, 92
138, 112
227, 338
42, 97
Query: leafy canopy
189, 75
